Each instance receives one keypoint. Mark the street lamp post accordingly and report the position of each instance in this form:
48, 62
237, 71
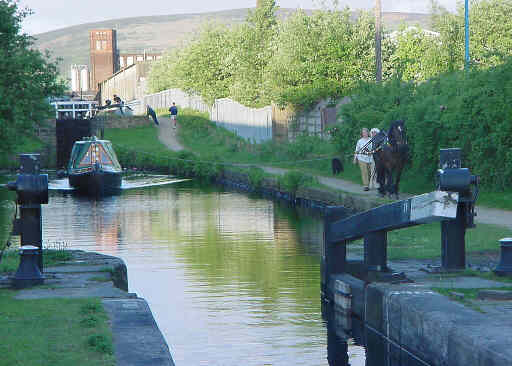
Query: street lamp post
466, 31
378, 39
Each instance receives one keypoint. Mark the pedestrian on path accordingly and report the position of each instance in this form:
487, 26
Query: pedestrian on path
373, 171
151, 112
362, 157
174, 113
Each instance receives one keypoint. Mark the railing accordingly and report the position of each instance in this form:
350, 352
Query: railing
452, 205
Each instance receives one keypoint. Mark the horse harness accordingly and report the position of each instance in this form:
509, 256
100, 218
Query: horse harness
381, 139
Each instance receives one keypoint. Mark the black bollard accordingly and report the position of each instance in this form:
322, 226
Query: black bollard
453, 178
32, 191
504, 268
28, 273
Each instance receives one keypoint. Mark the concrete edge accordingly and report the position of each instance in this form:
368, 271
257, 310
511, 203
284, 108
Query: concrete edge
431, 326
137, 339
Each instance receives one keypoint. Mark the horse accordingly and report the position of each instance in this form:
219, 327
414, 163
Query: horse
390, 153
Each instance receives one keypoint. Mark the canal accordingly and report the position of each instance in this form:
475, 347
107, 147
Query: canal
232, 279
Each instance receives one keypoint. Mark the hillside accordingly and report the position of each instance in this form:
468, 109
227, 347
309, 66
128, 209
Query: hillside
159, 32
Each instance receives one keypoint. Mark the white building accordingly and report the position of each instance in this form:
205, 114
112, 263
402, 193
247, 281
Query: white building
79, 78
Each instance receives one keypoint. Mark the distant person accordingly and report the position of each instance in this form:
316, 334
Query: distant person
363, 158
174, 113
117, 100
151, 112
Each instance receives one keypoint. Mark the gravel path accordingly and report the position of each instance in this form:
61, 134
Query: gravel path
485, 215
167, 134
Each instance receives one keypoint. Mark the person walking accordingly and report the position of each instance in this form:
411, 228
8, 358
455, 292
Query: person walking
174, 113
363, 158
373, 171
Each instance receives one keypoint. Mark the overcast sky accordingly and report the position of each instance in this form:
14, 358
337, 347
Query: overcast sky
54, 14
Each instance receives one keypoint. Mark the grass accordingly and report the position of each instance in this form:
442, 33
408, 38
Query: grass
472, 273
470, 294
56, 332
100, 279
424, 241
51, 257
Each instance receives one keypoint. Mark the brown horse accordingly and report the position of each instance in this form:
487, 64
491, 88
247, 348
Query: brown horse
391, 153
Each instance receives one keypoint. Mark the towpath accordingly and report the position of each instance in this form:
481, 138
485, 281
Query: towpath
167, 134
485, 215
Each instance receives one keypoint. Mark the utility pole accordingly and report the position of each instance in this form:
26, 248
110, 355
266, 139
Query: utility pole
466, 31
378, 39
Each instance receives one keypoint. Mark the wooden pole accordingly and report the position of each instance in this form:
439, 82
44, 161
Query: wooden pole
378, 38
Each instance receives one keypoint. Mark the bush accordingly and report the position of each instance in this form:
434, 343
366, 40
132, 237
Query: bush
467, 110
291, 181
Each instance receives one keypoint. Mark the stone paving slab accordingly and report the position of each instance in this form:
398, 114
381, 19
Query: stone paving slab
137, 339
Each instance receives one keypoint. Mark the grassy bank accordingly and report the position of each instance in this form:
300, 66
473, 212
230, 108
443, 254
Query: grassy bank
54, 332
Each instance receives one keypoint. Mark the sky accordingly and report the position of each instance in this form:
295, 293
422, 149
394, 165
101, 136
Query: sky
54, 14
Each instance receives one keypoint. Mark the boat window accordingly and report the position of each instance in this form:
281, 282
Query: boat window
112, 154
104, 159
87, 159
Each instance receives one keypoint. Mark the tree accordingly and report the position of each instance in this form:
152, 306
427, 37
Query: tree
321, 55
490, 33
27, 79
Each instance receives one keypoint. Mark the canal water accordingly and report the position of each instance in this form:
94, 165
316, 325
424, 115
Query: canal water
232, 279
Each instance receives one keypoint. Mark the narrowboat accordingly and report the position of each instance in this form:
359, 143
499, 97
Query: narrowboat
93, 168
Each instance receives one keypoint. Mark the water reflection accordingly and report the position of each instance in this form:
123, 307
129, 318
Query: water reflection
231, 279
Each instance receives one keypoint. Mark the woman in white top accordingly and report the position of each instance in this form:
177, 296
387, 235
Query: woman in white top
363, 157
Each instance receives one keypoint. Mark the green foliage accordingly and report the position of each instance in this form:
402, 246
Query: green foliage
256, 176
320, 55
299, 60
466, 110
27, 79
415, 55
308, 57
100, 343
292, 180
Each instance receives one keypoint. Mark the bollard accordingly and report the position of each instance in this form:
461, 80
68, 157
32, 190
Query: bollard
28, 273
504, 268
31, 191
453, 178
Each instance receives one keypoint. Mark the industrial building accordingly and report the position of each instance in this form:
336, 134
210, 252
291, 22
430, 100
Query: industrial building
105, 59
